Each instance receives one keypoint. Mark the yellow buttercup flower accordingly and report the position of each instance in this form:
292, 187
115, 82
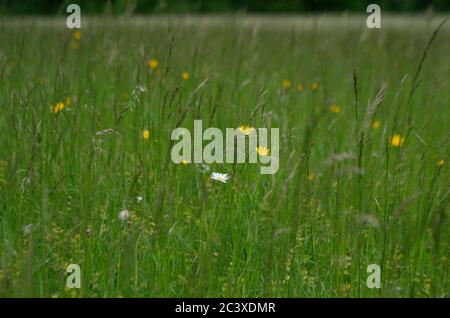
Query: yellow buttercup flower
58, 107
153, 64
145, 134
263, 151
286, 83
314, 86
397, 140
376, 124
300, 87
185, 76
335, 108
246, 130
441, 162
77, 35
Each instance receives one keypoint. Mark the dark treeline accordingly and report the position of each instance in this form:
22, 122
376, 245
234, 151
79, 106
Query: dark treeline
52, 7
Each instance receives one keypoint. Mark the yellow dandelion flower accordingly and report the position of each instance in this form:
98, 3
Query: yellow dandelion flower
153, 64
376, 124
185, 76
145, 134
263, 151
314, 86
246, 130
441, 162
58, 107
300, 87
335, 108
77, 35
397, 140
286, 83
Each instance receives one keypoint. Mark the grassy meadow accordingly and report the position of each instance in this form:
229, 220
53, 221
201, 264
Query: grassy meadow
85, 125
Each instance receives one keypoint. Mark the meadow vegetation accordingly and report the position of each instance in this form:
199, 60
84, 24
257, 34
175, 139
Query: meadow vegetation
86, 175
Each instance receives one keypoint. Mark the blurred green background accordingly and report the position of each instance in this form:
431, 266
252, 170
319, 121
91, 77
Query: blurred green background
52, 7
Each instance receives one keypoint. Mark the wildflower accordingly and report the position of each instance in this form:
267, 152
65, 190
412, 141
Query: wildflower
185, 76
263, 151
184, 162
139, 198
397, 140
314, 86
153, 64
77, 35
145, 134
58, 107
221, 177
335, 108
124, 215
286, 84
376, 124
441, 162
300, 87
246, 130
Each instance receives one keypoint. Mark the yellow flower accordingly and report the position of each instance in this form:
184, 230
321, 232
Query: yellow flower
246, 130
286, 84
335, 108
300, 87
153, 64
184, 162
263, 151
77, 35
58, 107
376, 124
314, 86
441, 162
185, 76
145, 134
397, 140
68, 101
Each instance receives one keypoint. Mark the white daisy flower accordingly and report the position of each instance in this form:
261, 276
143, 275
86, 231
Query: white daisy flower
221, 177
124, 215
